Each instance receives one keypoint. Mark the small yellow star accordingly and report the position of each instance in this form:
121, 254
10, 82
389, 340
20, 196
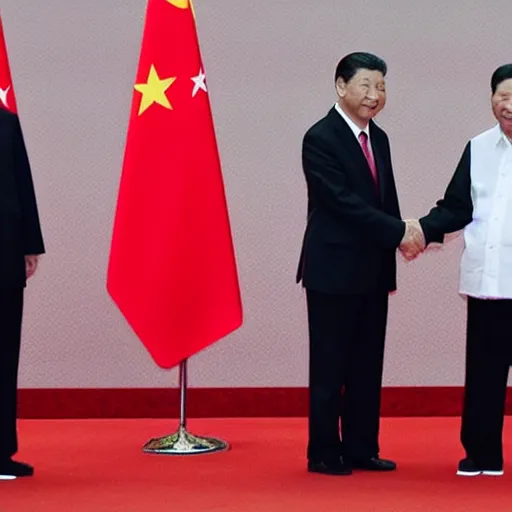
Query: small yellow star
153, 91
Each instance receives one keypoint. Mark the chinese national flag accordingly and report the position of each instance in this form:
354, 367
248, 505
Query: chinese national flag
172, 269
7, 99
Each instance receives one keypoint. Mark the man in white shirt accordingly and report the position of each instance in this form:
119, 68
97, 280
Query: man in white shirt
479, 199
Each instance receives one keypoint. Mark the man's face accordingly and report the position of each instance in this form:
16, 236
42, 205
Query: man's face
363, 96
502, 106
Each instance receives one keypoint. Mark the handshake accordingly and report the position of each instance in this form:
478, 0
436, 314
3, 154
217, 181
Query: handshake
413, 242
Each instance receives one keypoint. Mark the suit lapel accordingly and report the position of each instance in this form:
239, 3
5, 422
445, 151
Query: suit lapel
351, 146
355, 151
379, 160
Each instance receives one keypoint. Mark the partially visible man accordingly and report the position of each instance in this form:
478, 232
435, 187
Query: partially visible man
348, 268
21, 242
479, 199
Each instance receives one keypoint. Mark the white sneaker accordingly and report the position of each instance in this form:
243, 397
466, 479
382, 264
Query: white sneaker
468, 468
498, 472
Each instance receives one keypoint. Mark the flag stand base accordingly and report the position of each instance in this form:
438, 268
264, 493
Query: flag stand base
184, 443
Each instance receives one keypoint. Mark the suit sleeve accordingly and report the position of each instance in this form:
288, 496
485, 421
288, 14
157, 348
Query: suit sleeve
31, 229
455, 210
330, 187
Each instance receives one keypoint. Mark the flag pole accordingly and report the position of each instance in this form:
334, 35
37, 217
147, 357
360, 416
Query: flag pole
182, 442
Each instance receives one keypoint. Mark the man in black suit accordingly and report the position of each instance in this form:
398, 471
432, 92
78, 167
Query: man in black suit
348, 268
21, 242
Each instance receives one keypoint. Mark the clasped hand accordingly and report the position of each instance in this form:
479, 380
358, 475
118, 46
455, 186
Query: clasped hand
413, 242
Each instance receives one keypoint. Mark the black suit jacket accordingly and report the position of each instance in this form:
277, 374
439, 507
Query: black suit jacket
352, 230
20, 232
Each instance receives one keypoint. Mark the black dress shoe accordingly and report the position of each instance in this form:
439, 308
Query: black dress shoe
374, 464
10, 469
332, 467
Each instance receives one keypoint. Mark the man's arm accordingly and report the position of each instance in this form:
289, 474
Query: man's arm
330, 187
31, 229
455, 210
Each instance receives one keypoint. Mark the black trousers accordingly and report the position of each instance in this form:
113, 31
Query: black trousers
488, 357
11, 309
346, 335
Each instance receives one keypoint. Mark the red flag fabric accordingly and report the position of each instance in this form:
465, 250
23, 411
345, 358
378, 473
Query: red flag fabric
172, 269
7, 98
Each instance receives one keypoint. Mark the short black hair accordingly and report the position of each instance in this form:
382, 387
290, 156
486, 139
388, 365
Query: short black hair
500, 75
349, 65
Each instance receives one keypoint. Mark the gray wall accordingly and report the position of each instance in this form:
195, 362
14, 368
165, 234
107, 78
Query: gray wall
269, 66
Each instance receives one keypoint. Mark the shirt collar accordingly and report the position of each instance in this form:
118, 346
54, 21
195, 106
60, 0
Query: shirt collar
353, 126
502, 141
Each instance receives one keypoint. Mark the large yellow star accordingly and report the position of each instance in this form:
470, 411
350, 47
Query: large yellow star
183, 4
153, 91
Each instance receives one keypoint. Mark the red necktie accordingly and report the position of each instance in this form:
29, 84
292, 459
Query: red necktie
363, 139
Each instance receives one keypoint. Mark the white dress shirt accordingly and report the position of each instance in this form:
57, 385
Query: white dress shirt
353, 126
486, 266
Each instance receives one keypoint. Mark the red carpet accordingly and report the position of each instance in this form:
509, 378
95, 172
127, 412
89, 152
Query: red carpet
98, 465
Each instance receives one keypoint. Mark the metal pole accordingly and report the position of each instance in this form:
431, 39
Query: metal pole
183, 394
181, 442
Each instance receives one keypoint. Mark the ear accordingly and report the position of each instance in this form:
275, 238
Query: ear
341, 87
